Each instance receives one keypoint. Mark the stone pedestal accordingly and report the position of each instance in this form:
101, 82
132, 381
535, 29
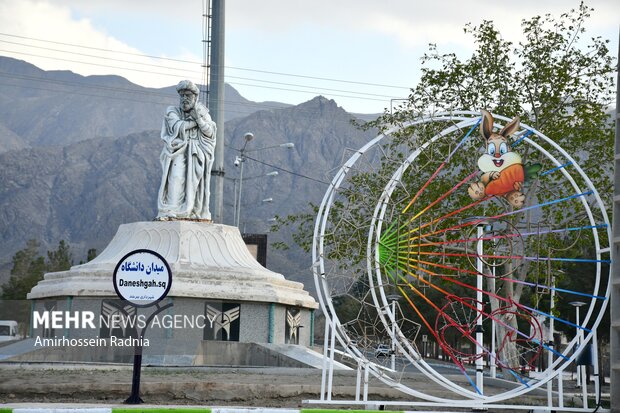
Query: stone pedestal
207, 261
214, 277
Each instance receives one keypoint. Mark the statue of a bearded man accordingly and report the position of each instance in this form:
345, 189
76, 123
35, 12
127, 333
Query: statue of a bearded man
187, 157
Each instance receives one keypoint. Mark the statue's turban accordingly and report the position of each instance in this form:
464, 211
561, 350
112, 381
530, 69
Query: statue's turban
188, 85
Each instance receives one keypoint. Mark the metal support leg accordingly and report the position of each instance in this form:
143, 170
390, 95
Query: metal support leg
365, 398
325, 355
596, 369
550, 382
358, 382
332, 352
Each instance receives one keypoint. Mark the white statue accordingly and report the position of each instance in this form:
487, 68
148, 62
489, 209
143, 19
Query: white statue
186, 159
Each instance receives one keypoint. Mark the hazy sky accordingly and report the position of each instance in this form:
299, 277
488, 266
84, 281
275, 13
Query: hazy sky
286, 50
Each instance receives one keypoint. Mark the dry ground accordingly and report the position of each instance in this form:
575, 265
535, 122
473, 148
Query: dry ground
260, 387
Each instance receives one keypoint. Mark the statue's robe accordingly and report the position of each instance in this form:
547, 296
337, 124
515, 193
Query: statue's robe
186, 159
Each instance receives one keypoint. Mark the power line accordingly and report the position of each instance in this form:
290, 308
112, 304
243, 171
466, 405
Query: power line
95, 56
286, 170
77, 93
138, 90
93, 64
176, 75
305, 91
407, 88
101, 49
320, 88
150, 65
126, 99
321, 78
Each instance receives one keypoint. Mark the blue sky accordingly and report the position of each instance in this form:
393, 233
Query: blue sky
355, 43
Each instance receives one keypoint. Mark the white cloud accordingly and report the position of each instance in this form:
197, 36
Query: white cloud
413, 23
31, 20
291, 36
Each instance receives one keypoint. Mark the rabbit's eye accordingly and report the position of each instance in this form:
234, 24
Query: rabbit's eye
491, 149
503, 148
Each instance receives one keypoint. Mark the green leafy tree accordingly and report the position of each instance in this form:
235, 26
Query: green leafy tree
28, 269
59, 259
91, 254
556, 80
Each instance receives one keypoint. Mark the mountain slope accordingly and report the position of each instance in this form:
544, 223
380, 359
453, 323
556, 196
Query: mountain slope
83, 191
51, 108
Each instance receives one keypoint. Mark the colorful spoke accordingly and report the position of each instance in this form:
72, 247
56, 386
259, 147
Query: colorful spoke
462, 301
434, 175
481, 220
522, 137
506, 236
503, 257
556, 169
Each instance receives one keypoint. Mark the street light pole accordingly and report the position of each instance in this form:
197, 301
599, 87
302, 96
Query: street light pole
236, 203
240, 160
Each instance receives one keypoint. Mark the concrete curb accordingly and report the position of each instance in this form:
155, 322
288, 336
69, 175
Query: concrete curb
139, 409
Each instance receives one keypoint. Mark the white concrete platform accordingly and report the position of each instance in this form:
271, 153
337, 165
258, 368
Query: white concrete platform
206, 259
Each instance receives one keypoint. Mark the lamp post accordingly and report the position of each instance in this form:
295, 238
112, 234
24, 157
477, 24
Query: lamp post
240, 160
236, 190
257, 223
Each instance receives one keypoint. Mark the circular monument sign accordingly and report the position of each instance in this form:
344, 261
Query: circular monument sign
142, 278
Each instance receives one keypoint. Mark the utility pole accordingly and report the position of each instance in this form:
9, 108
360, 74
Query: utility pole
615, 259
216, 101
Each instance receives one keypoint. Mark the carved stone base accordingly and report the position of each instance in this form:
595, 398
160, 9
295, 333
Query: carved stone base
207, 261
183, 219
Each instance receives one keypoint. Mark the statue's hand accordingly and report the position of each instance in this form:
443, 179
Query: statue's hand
208, 128
176, 143
190, 124
201, 110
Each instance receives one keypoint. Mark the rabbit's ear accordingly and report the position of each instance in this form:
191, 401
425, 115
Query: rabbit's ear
510, 128
486, 125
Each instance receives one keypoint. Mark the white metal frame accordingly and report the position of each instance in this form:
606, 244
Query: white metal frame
334, 332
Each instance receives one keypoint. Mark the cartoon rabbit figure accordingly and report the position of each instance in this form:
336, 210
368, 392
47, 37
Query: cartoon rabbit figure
502, 168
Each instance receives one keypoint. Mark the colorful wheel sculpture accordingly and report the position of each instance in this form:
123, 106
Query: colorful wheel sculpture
456, 239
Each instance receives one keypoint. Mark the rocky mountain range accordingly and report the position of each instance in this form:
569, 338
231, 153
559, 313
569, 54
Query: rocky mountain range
80, 156
52, 108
